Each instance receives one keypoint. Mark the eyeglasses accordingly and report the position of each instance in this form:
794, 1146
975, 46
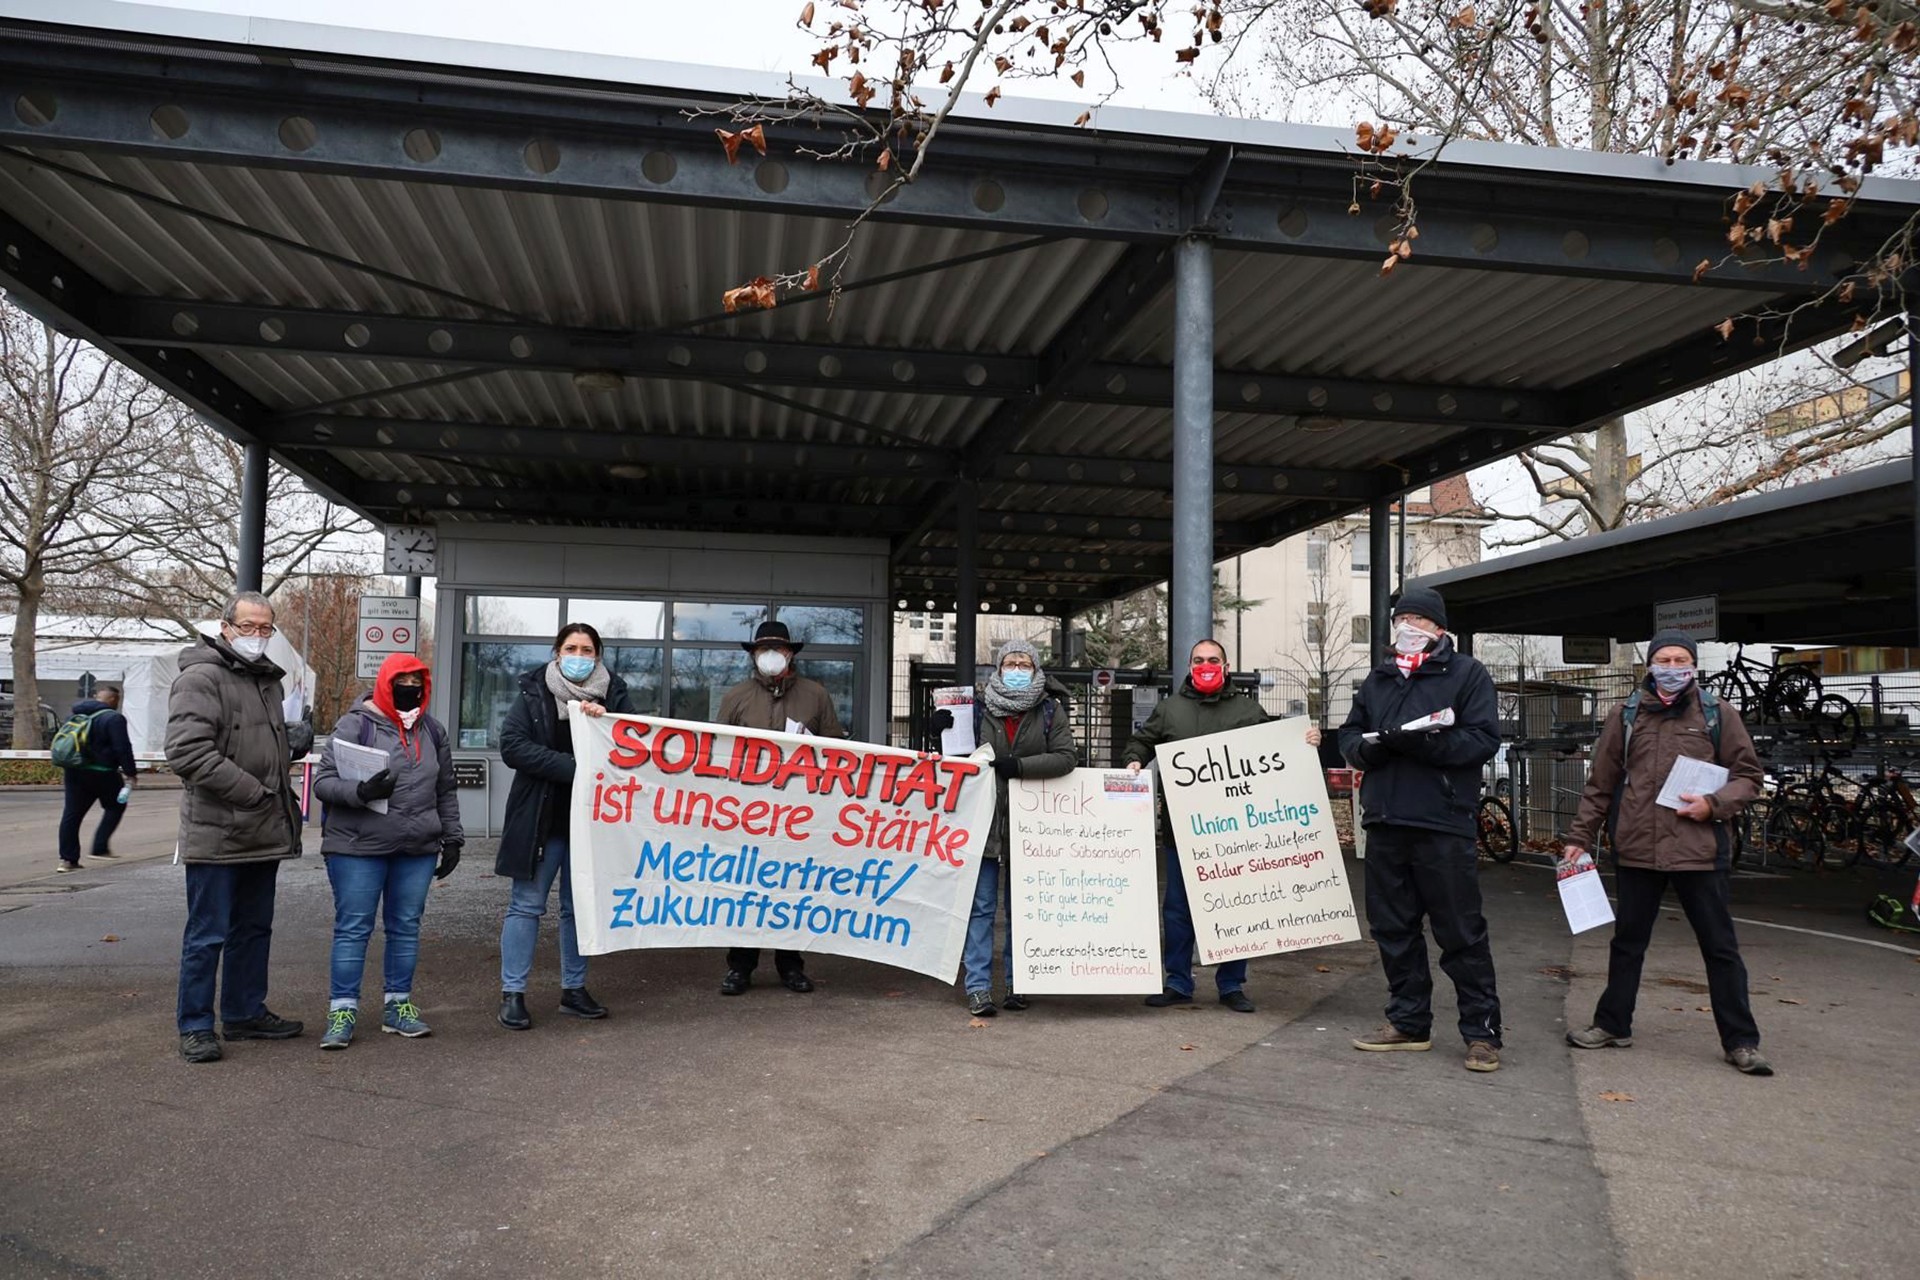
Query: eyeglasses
252, 628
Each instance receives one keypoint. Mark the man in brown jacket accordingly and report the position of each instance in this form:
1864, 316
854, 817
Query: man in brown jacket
1688, 847
230, 744
776, 699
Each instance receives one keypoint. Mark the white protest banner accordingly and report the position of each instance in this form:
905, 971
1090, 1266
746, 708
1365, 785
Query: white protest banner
1084, 906
1257, 845
701, 835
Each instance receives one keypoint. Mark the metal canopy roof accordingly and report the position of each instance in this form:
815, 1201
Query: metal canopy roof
1827, 562
389, 257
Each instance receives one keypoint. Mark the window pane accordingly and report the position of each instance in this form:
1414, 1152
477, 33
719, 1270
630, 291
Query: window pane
639, 665
1362, 632
837, 675
489, 682
513, 616
735, 621
621, 619
825, 624
701, 677
1362, 552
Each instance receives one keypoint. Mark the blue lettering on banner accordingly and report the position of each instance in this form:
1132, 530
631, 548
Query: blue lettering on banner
875, 880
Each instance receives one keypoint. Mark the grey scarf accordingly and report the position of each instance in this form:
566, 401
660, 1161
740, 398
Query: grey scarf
1002, 701
565, 690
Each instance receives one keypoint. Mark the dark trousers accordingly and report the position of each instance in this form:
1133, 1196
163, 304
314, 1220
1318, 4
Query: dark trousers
1703, 896
230, 913
1176, 925
1414, 874
745, 958
86, 788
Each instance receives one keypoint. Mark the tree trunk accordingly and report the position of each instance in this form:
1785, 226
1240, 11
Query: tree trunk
26, 681
1609, 474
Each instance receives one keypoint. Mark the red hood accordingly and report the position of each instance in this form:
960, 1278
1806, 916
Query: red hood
398, 664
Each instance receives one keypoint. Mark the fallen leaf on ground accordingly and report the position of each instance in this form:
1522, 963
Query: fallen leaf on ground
1393, 1191
1790, 1000
1505, 1187
895, 995
1614, 1095
1041, 1155
1556, 971
112, 937
980, 1119
1185, 1048
1322, 968
976, 1022
1702, 1008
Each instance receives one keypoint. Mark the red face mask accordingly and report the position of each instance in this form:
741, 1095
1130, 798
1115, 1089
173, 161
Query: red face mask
1208, 678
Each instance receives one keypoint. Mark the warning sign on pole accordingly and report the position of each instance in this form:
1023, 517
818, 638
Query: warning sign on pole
388, 624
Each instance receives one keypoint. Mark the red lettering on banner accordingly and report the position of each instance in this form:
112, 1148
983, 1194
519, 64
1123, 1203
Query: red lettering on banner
686, 740
629, 749
703, 766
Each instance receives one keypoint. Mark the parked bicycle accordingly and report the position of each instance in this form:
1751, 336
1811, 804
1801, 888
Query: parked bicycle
1813, 822
1883, 816
1760, 692
1499, 837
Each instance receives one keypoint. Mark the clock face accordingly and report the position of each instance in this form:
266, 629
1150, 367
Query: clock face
412, 549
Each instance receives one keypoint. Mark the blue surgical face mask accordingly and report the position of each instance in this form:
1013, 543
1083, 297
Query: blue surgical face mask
577, 668
1018, 678
1671, 680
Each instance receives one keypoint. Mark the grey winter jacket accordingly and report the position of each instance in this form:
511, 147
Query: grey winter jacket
231, 746
423, 812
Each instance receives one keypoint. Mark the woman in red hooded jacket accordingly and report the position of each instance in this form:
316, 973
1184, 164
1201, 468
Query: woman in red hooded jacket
388, 836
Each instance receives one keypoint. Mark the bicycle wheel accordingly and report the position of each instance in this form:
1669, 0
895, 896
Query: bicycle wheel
1880, 827
1793, 833
1498, 839
1836, 723
1838, 848
1792, 693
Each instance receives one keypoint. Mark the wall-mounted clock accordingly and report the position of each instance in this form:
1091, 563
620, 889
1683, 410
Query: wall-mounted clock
413, 550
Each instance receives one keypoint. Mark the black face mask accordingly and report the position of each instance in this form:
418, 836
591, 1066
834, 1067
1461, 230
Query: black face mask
406, 697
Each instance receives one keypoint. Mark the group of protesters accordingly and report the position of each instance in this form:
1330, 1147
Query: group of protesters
1422, 726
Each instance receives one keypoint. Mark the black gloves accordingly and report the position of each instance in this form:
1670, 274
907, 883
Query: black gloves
1007, 766
1403, 742
449, 859
378, 787
942, 720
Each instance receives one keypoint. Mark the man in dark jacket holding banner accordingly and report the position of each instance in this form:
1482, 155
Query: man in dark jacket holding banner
1423, 725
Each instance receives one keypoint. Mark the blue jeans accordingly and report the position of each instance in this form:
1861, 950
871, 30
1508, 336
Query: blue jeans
395, 886
230, 911
976, 958
1176, 923
522, 927
86, 788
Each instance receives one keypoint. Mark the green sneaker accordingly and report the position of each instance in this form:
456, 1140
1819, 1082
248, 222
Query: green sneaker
339, 1032
403, 1019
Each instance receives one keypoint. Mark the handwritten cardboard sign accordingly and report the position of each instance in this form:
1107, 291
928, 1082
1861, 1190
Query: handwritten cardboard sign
1083, 905
699, 835
1257, 844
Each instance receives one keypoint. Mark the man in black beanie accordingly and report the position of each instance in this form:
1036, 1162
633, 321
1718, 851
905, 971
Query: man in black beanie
1418, 802
1667, 718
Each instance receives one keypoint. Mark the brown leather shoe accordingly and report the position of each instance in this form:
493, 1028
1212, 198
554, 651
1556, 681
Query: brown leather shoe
1482, 1056
1389, 1038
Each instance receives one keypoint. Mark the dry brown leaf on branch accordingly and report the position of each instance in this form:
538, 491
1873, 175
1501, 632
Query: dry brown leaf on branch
1081, 119
1386, 268
806, 14
885, 161
1079, 79
993, 95
755, 137
1466, 17
946, 73
813, 277
1186, 55
1701, 268
1614, 1095
1724, 329
756, 293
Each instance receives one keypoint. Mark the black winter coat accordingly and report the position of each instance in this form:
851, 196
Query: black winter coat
1433, 779
538, 746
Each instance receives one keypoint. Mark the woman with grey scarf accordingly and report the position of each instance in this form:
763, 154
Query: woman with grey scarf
1026, 719
536, 743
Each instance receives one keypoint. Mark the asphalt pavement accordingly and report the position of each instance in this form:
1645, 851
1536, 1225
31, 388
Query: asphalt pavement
869, 1129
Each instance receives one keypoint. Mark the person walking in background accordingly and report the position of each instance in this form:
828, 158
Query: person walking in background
103, 773
776, 698
1024, 716
1669, 718
385, 862
536, 742
230, 744
1205, 703
1418, 802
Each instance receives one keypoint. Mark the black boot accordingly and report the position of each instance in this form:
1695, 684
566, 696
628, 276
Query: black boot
576, 1001
513, 1011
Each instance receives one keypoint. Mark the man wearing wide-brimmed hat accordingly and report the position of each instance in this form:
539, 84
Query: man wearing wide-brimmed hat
775, 698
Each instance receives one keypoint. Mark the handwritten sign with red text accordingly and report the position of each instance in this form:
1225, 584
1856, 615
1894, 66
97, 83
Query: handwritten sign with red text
700, 835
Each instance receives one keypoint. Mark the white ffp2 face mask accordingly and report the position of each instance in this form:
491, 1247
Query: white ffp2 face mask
252, 648
1410, 639
770, 663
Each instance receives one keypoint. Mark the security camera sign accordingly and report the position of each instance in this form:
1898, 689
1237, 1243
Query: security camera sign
388, 624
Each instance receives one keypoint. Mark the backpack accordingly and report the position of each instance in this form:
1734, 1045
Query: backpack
1709, 707
70, 743
363, 734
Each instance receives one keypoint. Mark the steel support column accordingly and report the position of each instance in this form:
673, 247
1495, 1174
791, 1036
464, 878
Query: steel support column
1190, 604
1380, 575
966, 604
1913, 433
251, 567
